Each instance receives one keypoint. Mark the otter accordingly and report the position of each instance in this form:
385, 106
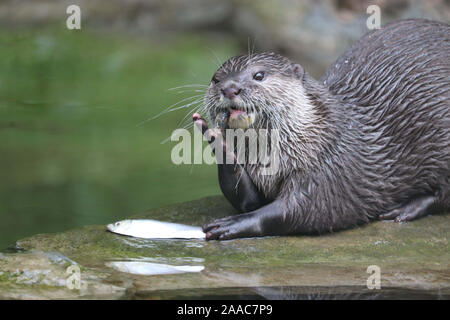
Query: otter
369, 141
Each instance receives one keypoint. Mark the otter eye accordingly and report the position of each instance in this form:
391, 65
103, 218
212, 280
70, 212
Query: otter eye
258, 76
215, 80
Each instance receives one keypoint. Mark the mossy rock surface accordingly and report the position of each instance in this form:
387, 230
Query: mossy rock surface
411, 256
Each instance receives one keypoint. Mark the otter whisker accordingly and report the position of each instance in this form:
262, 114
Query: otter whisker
191, 91
188, 86
218, 62
171, 108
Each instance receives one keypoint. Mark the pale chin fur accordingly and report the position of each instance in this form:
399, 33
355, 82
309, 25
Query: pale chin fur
299, 142
297, 135
300, 137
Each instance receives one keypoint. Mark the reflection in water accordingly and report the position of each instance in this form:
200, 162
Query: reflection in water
151, 268
294, 293
318, 293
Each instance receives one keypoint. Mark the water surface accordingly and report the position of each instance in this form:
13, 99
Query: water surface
73, 148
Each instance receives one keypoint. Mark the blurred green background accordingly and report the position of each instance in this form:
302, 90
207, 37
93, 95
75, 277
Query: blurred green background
74, 145
75, 148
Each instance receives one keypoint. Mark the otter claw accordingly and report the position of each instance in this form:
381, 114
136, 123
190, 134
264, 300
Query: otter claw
232, 227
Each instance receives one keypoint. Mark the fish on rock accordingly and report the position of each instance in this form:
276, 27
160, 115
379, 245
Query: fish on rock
153, 229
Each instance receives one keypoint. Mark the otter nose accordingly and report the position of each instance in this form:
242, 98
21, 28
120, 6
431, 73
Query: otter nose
231, 91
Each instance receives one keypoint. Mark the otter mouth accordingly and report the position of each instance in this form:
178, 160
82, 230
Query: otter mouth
235, 118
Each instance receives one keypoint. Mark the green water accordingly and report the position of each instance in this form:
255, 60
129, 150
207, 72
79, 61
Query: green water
73, 148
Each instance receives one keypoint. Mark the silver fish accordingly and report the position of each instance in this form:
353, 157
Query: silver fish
148, 268
153, 229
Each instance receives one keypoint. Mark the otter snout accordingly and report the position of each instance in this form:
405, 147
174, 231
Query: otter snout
231, 91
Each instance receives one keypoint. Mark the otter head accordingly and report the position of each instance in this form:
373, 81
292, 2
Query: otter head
253, 91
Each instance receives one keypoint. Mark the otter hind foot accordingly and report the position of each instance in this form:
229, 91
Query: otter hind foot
412, 210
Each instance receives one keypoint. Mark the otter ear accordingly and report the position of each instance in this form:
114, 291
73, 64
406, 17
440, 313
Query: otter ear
298, 70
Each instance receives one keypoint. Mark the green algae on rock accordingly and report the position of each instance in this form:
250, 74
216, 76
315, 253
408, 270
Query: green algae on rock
411, 256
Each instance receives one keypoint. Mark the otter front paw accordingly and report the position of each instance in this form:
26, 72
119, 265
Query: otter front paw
232, 227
